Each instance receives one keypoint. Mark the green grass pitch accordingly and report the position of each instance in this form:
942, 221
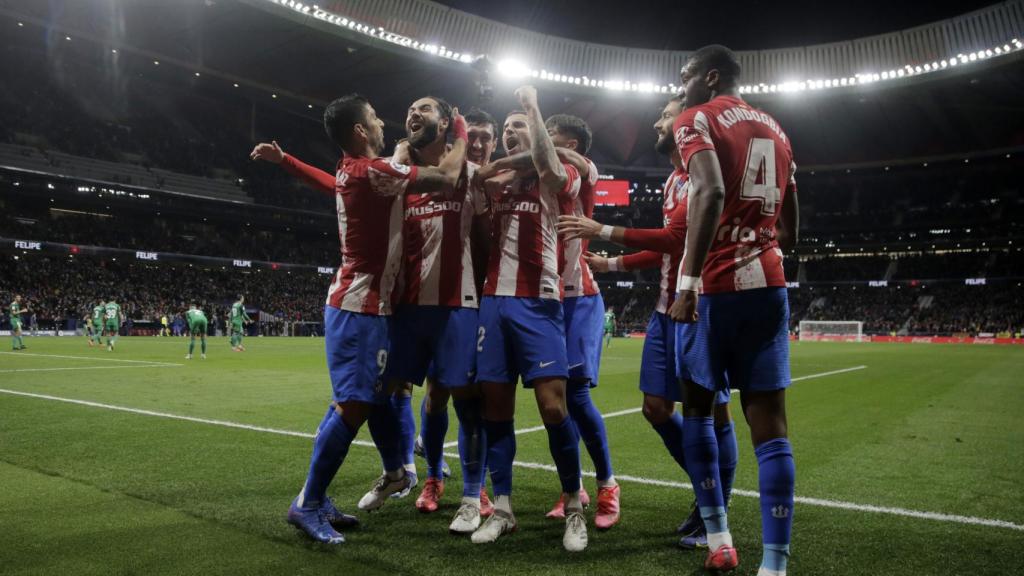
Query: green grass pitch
86, 489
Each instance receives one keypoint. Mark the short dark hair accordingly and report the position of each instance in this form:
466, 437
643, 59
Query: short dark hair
480, 117
342, 115
575, 127
444, 109
717, 57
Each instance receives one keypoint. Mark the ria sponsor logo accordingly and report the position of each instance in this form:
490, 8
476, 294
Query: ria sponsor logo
514, 206
26, 245
242, 263
146, 255
433, 207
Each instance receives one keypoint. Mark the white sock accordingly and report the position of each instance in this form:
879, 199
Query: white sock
762, 571
475, 502
411, 468
572, 502
719, 539
607, 483
503, 502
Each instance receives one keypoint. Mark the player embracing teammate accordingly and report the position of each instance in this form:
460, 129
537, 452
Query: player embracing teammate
730, 208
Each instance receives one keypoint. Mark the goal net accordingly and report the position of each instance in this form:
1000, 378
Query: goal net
832, 330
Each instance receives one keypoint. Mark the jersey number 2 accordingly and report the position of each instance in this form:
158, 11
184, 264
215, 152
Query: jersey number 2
759, 181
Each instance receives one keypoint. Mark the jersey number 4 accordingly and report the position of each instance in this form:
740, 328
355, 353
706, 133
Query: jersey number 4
759, 181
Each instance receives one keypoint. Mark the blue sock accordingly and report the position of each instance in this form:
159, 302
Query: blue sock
472, 444
402, 407
728, 456
776, 476
384, 429
501, 451
671, 432
329, 450
565, 451
590, 426
423, 414
434, 429
702, 465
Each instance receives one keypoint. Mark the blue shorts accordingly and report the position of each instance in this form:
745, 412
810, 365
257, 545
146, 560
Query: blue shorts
584, 323
661, 374
357, 354
435, 340
741, 341
520, 337
658, 373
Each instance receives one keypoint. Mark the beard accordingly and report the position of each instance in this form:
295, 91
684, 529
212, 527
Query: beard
665, 144
426, 136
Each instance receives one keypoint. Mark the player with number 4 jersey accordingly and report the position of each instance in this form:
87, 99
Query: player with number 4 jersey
731, 301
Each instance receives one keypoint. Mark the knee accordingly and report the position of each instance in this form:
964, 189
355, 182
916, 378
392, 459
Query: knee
699, 401
722, 415
553, 411
437, 399
657, 410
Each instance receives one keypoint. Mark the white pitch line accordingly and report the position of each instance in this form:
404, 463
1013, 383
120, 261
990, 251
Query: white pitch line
96, 358
628, 411
825, 503
162, 365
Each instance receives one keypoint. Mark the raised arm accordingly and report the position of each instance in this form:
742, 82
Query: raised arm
523, 162
313, 177
549, 169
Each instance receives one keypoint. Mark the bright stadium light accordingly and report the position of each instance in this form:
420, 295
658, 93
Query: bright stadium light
512, 68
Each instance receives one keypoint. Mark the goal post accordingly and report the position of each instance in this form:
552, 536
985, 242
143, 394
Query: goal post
832, 330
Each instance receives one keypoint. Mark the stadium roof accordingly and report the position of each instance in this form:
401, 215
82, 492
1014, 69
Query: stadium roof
689, 24
957, 111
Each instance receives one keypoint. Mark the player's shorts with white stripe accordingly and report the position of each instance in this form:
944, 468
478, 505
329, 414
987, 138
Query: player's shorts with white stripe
357, 354
436, 340
520, 337
741, 340
584, 325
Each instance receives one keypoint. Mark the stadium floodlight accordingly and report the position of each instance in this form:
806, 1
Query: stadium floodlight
513, 68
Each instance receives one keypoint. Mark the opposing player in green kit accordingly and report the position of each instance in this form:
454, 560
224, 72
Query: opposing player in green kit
15, 317
112, 323
97, 322
196, 325
238, 317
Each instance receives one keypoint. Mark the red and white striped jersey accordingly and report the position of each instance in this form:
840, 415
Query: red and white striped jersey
370, 228
438, 254
524, 257
757, 169
577, 278
663, 247
674, 208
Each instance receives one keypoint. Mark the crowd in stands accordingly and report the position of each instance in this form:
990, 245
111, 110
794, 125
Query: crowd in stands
62, 289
